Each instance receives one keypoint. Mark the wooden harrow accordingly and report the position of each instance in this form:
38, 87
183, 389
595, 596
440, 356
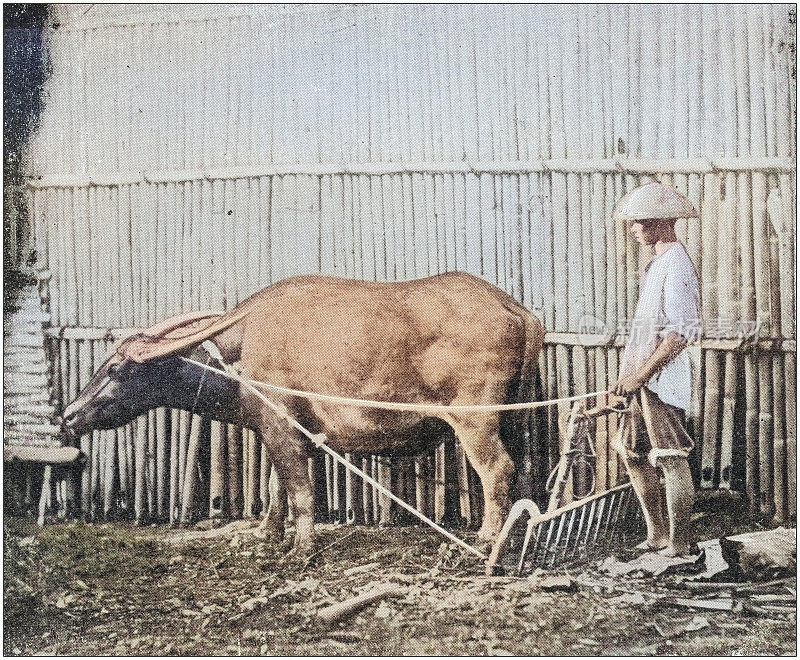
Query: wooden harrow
568, 531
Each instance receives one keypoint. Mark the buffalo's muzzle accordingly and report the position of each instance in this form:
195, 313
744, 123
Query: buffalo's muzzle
66, 424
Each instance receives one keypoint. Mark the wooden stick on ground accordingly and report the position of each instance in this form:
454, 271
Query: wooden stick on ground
351, 606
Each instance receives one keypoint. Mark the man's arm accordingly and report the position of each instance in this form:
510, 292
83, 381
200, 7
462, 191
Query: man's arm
665, 353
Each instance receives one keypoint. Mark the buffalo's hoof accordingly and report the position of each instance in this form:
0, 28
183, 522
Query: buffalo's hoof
300, 552
269, 533
493, 570
484, 546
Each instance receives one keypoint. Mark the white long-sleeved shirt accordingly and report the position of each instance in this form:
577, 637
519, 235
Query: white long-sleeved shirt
669, 301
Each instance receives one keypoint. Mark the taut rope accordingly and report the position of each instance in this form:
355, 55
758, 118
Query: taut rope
400, 406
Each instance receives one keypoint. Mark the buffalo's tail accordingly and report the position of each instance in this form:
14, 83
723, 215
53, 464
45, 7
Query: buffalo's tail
523, 431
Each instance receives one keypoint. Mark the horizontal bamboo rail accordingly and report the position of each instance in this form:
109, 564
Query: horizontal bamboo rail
572, 166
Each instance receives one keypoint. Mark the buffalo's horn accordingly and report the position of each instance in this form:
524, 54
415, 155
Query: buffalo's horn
175, 322
156, 342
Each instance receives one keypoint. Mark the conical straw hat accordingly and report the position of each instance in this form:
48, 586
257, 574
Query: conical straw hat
654, 201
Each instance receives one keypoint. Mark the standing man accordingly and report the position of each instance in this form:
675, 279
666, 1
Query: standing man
656, 370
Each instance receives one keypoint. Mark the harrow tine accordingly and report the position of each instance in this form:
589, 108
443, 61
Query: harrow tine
557, 541
589, 523
536, 544
577, 545
618, 515
568, 535
545, 549
624, 514
601, 510
612, 499
622, 531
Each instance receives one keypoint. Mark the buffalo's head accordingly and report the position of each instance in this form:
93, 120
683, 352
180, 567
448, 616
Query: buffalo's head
124, 388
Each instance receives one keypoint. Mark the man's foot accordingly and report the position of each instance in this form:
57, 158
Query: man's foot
654, 545
673, 550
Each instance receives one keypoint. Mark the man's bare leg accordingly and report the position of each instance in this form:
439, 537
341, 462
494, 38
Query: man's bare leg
647, 486
680, 500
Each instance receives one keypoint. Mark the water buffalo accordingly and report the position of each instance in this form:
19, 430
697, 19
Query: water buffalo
448, 339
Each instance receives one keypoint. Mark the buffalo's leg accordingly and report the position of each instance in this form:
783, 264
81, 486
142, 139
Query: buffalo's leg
485, 451
291, 464
272, 527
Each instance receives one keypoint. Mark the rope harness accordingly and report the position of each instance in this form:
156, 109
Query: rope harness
396, 405
320, 439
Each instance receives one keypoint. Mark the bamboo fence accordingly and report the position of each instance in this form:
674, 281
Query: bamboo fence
387, 143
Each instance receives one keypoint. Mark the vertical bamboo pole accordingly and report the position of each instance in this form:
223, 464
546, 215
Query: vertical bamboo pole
336, 504
91, 511
780, 216
580, 377
126, 459
174, 468
613, 420
553, 411
162, 463
710, 448
601, 435
139, 498
440, 478
779, 433
366, 494
790, 392
184, 427
190, 476
761, 253
751, 428
729, 310
420, 484
247, 472
329, 485
216, 488
255, 454
110, 442
263, 481
463, 485
728, 409
765, 436
45, 498
235, 470
353, 509
150, 475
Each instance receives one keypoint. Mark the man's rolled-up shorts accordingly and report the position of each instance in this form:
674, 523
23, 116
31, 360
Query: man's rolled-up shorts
652, 429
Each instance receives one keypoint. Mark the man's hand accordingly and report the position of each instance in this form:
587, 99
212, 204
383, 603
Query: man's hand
628, 385
665, 353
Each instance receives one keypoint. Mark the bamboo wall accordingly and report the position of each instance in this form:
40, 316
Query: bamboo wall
189, 156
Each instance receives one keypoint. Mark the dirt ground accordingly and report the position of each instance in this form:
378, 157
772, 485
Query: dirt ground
113, 589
